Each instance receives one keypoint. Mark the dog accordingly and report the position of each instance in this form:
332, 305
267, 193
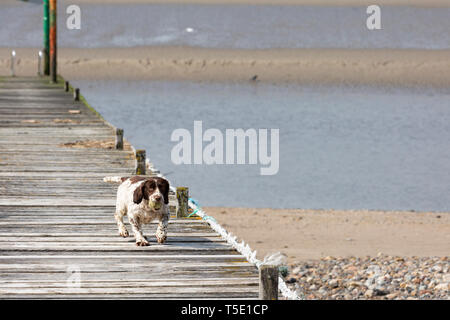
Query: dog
143, 200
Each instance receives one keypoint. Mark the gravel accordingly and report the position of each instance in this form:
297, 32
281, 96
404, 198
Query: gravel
380, 277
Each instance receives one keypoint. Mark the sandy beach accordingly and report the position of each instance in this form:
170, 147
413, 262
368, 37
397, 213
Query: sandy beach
326, 66
313, 234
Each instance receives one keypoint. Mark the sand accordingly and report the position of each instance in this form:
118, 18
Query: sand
313, 234
324, 66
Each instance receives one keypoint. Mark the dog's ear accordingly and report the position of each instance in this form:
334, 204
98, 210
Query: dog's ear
140, 193
164, 188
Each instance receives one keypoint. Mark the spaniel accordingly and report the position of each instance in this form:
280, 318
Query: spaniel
143, 200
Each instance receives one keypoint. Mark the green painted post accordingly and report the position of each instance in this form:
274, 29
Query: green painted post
53, 47
46, 50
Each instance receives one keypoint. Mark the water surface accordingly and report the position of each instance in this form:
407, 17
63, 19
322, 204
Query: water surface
340, 147
230, 26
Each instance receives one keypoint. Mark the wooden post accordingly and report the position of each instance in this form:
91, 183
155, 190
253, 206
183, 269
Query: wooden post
140, 161
39, 63
76, 94
119, 139
268, 282
66, 86
46, 27
53, 69
183, 205
13, 58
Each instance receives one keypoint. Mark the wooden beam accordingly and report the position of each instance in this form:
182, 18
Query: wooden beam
119, 139
76, 94
140, 161
268, 282
183, 198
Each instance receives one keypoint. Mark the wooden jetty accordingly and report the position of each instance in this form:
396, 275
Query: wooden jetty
58, 237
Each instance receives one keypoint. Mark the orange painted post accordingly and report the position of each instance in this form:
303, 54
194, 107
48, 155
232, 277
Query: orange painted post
53, 69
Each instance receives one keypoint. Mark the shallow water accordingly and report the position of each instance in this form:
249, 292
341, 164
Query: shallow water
230, 26
340, 147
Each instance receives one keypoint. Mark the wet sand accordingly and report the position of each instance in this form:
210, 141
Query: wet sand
324, 66
313, 234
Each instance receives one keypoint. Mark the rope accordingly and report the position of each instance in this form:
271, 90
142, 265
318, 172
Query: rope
241, 247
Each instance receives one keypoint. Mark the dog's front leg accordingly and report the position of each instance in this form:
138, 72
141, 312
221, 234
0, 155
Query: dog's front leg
122, 229
136, 226
161, 231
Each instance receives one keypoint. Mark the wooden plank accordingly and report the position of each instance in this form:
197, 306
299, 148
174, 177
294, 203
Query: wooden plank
189, 296
130, 274
94, 222
112, 229
9, 170
142, 253
133, 284
123, 291
192, 257
135, 266
171, 238
58, 201
113, 246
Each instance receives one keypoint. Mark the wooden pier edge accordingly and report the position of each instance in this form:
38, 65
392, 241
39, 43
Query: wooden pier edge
82, 99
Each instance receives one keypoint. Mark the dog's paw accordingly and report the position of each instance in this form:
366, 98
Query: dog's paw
142, 243
123, 233
161, 239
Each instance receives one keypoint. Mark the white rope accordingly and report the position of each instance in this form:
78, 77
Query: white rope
241, 247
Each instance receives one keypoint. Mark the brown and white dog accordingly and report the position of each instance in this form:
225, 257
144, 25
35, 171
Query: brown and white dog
143, 200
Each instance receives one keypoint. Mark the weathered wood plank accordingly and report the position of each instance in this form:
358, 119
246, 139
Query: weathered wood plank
123, 291
73, 221
171, 238
92, 229
132, 284
188, 296
130, 274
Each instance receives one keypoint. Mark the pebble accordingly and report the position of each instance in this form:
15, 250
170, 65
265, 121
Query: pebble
392, 295
369, 293
333, 283
296, 271
291, 280
372, 277
442, 286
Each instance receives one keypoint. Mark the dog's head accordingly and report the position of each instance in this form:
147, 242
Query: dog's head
155, 190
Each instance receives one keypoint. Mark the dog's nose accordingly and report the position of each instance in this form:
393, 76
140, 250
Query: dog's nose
157, 198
